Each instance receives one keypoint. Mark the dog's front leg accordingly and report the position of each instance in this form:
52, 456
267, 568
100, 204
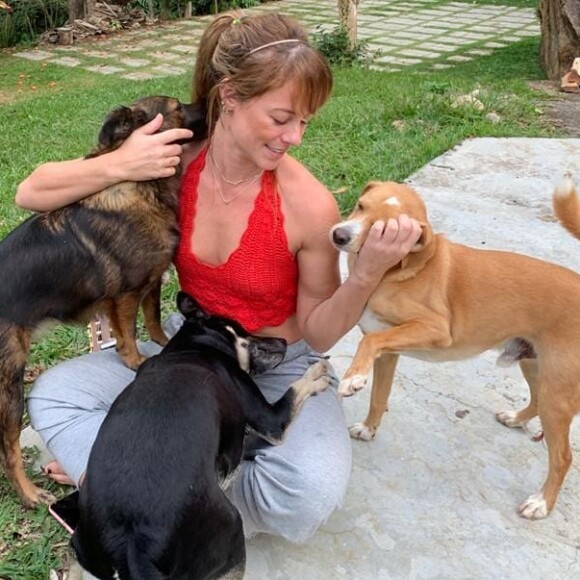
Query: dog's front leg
415, 335
383, 374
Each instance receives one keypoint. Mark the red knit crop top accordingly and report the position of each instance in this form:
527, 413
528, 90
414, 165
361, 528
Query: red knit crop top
257, 285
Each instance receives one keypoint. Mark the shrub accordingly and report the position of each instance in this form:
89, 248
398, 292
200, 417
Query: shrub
334, 45
29, 19
168, 9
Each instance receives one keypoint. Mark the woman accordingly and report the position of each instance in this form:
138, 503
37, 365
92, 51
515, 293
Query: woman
254, 246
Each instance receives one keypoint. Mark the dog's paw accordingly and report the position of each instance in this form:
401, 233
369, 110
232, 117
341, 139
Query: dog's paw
351, 385
134, 362
534, 508
314, 380
508, 418
361, 432
317, 371
33, 496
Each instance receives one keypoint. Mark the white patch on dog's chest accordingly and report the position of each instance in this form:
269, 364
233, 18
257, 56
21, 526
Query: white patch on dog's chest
370, 322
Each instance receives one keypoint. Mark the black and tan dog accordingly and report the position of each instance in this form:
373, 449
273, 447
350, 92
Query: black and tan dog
446, 301
105, 252
152, 503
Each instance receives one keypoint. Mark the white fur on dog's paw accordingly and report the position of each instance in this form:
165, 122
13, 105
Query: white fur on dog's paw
361, 432
508, 418
350, 386
534, 508
314, 380
317, 370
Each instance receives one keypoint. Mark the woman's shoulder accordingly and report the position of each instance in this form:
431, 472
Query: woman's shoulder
302, 190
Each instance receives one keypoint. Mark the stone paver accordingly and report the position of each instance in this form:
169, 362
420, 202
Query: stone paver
410, 31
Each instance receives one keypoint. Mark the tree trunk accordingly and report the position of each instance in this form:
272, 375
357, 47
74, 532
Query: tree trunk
76, 10
347, 18
560, 28
80, 9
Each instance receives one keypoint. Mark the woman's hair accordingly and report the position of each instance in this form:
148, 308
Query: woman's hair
250, 53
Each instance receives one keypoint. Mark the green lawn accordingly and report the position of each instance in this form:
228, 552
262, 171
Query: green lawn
50, 113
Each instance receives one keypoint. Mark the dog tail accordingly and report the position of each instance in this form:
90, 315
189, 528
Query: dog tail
138, 563
567, 206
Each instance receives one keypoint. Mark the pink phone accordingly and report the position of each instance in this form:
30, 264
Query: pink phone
66, 511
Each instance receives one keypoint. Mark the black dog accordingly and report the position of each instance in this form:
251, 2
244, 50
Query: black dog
105, 252
152, 505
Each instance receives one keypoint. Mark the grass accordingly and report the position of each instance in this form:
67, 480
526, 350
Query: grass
377, 126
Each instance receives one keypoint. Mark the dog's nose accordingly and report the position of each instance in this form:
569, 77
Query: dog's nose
341, 236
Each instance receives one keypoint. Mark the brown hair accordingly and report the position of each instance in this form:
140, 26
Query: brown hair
232, 48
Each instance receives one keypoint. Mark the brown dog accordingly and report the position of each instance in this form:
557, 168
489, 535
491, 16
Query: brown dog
105, 252
446, 301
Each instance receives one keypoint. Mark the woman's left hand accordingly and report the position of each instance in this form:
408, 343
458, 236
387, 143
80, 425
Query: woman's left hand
386, 245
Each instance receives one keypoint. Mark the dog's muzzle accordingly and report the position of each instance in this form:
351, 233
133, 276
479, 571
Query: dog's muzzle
343, 236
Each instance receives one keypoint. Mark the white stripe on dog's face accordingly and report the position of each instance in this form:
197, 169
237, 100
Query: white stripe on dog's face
392, 201
345, 236
241, 346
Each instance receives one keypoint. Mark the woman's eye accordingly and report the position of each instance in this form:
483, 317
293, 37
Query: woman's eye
279, 121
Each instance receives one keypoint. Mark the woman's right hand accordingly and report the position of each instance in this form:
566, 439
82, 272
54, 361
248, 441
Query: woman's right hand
147, 154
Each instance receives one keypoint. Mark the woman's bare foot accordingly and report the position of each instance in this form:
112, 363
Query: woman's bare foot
55, 472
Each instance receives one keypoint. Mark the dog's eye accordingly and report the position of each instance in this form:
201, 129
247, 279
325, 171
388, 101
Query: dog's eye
359, 206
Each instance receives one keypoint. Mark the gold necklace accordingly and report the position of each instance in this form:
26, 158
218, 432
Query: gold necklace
220, 190
252, 178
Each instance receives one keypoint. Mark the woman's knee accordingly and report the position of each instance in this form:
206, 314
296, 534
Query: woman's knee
319, 496
294, 498
81, 385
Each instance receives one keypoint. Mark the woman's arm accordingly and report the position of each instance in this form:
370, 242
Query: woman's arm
327, 310
145, 155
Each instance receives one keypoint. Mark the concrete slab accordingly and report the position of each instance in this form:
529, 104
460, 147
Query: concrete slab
435, 495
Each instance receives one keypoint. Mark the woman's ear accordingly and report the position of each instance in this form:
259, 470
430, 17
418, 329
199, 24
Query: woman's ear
227, 96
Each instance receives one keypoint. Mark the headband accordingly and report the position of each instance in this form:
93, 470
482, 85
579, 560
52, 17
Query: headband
269, 44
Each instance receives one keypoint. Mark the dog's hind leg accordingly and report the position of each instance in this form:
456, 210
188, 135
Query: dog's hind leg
530, 369
14, 347
383, 375
151, 305
557, 406
122, 314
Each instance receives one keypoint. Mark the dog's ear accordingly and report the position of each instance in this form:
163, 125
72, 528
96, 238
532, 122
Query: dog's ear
118, 125
425, 239
189, 306
370, 185
266, 353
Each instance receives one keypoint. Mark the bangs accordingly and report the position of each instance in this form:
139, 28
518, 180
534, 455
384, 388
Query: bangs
303, 66
312, 82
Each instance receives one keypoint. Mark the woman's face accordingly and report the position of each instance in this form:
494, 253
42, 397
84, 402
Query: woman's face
265, 127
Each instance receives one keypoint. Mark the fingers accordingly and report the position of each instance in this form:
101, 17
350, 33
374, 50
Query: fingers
386, 245
403, 231
153, 126
164, 137
55, 472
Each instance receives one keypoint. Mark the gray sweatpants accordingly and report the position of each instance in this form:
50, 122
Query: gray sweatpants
287, 490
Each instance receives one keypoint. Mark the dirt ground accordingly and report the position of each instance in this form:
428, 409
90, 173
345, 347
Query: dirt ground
562, 111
